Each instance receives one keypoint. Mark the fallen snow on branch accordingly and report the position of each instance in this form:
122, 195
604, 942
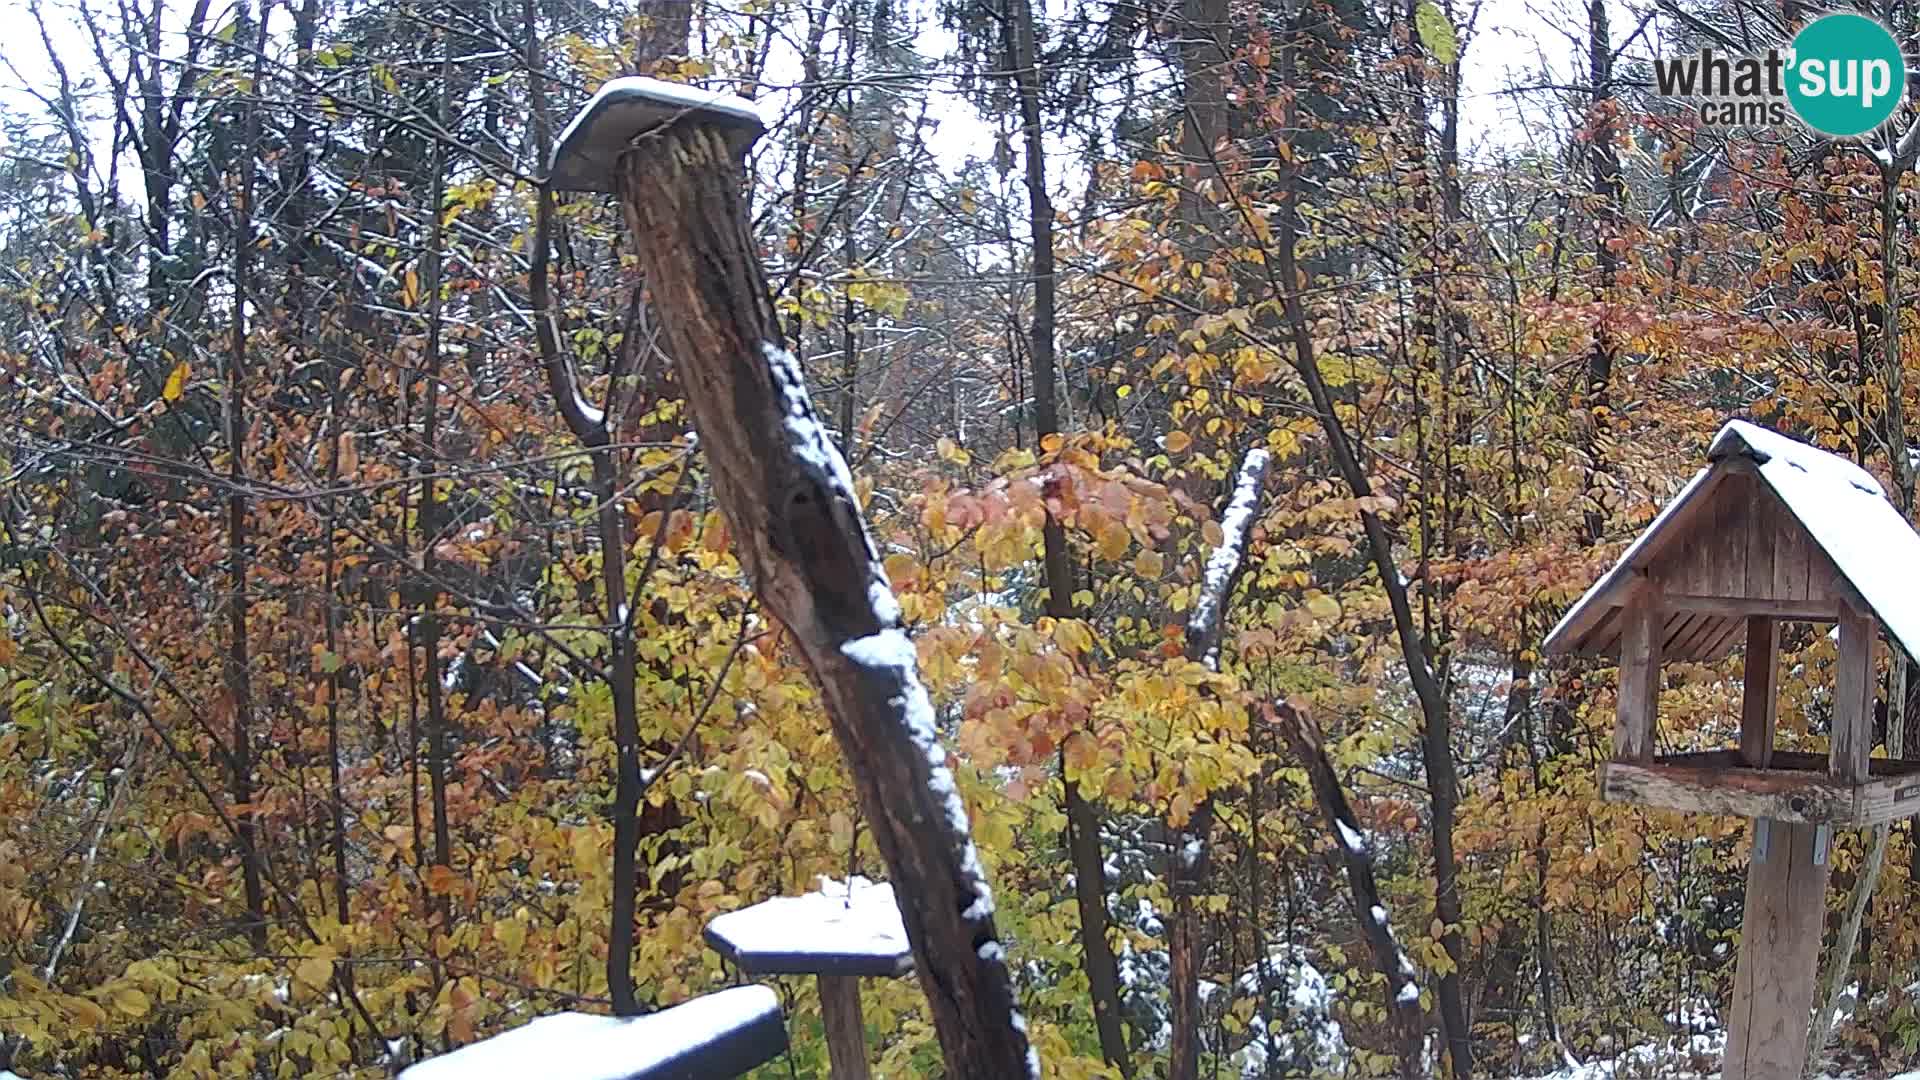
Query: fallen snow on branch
1234, 527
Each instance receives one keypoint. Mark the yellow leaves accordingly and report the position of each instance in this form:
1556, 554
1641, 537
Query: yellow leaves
1322, 606
83, 1014
315, 971
1180, 809
409, 289
888, 298
130, 1002
1073, 636
1176, 442
1113, 541
1082, 752
1149, 564
1436, 32
176, 382
902, 570
511, 934
951, 451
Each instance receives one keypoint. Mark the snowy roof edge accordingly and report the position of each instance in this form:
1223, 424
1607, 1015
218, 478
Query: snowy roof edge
1864, 539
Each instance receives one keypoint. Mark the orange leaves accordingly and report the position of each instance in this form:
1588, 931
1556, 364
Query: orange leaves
1081, 752
440, 880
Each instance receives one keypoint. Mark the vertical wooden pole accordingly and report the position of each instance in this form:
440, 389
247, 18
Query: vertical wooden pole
1639, 698
1758, 706
1853, 697
1779, 958
846, 1031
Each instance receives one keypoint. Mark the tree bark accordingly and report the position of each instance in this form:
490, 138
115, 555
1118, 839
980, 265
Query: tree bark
1403, 993
1436, 749
1187, 864
1083, 818
239, 682
790, 503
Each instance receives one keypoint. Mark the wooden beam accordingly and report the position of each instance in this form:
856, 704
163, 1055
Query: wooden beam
1760, 696
1795, 787
1744, 606
1731, 629
846, 1030
1852, 738
803, 543
1779, 957
1639, 696
1694, 642
1722, 787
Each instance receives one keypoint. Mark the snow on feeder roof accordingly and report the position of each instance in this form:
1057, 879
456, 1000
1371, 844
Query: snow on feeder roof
623, 110
1772, 526
718, 1035
833, 930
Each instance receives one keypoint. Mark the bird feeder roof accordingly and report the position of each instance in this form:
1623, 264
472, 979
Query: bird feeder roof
720, 1034
1811, 532
625, 109
833, 930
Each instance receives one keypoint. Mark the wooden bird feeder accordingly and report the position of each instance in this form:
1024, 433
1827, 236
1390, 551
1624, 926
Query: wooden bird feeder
717, 1035
1771, 531
839, 933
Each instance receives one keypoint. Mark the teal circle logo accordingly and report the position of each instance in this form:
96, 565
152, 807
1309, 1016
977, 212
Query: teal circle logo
1846, 76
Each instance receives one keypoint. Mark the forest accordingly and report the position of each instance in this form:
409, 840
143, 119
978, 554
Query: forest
1236, 393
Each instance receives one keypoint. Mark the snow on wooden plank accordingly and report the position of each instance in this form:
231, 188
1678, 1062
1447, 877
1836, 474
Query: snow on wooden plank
719, 1035
833, 930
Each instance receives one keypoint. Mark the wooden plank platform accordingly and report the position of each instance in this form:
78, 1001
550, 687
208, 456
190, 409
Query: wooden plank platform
1795, 787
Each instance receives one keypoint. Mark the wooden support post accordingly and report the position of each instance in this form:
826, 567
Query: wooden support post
1639, 697
1852, 738
1758, 706
846, 1031
797, 528
1779, 957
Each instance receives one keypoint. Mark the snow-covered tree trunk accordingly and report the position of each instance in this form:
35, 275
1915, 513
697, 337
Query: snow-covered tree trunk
1187, 868
798, 529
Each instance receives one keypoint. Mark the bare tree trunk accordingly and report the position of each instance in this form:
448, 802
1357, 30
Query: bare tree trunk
1083, 819
1436, 749
1605, 162
790, 503
593, 427
428, 522
331, 663
1188, 863
239, 682
1403, 993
